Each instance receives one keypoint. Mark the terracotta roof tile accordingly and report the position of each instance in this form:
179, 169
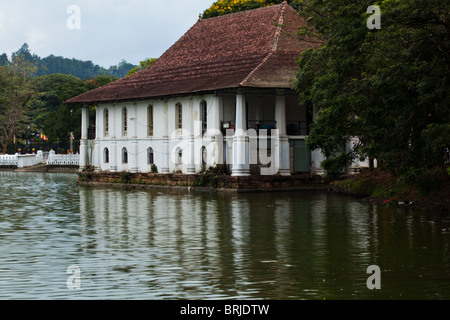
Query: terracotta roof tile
255, 48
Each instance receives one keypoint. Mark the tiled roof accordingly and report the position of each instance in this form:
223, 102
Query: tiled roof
255, 48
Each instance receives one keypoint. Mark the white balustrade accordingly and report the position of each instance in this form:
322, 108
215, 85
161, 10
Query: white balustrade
63, 159
9, 160
21, 161
30, 160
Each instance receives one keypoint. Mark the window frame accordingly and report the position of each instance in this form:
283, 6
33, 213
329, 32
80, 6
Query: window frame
150, 156
124, 121
106, 155
204, 115
106, 121
124, 155
179, 116
150, 117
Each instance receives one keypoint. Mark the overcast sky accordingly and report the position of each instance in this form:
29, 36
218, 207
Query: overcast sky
103, 31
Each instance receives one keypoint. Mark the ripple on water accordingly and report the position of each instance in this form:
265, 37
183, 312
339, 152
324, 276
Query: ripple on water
177, 245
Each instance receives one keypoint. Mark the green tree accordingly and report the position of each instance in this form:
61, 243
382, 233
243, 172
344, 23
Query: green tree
222, 7
16, 92
4, 61
388, 87
121, 70
60, 119
142, 65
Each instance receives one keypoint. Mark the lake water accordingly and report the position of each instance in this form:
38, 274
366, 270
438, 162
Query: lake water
176, 244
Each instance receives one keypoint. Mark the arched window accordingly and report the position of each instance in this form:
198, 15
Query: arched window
106, 155
179, 115
204, 116
150, 120
124, 121
179, 156
106, 121
124, 155
204, 156
150, 156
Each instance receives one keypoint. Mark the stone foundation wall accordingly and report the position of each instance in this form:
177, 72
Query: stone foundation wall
206, 180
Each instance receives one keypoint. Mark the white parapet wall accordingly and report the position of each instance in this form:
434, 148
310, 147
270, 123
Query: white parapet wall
21, 161
7, 160
63, 159
29, 160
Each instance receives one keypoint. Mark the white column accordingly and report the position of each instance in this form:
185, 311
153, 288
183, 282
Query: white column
134, 152
84, 160
215, 127
113, 156
317, 156
134, 155
98, 136
166, 150
99, 156
217, 110
241, 166
283, 145
189, 153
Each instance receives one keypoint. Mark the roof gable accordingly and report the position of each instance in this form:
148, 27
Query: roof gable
255, 48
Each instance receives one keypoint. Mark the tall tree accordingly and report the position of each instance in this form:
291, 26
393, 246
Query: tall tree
60, 119
4, 61
16, 92
142, 65
388, 87
222, 7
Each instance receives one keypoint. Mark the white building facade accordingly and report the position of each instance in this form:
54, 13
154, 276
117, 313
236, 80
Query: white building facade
221, 95
188, 134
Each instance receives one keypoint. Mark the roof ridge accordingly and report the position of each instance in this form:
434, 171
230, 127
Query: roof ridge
274, 45
256, 69
279, 26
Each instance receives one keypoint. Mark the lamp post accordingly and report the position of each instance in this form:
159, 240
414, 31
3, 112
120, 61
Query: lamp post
71, 132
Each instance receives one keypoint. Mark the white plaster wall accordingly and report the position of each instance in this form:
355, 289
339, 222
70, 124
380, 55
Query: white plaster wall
137, 123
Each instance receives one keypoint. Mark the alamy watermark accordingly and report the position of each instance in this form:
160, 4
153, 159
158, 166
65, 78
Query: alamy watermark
257, 147
73, 22
374, 281
374, 20
74, 280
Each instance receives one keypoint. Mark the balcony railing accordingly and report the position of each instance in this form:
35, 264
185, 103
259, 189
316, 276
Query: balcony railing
293, 128
297, 128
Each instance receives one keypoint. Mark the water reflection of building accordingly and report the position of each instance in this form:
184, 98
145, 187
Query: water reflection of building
175, 244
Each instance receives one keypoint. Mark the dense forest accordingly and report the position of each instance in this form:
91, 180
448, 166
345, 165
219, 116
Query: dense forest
32, 93
78, 68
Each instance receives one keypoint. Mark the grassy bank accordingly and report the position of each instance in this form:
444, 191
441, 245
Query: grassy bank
382, 187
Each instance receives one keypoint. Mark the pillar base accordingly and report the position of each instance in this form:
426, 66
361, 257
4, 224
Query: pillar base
240, 172
284, 172
190, 170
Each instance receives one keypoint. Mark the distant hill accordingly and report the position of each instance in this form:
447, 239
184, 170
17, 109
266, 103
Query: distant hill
78, 68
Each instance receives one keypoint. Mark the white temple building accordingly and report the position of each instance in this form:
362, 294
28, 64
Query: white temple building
222, 94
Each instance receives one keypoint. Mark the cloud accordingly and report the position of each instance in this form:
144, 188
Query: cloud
110, 30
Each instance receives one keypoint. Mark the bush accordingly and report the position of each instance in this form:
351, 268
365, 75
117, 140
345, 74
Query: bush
125, 177
426, 180
154, 168
430, 181
334, 167
209, 178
